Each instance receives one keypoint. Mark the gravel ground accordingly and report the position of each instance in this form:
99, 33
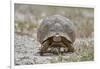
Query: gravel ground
27, 51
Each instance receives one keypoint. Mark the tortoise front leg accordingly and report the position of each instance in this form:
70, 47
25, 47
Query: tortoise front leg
69, 46
44, 48
71, 49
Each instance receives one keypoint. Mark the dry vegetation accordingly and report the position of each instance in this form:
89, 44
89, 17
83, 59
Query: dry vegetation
29, 17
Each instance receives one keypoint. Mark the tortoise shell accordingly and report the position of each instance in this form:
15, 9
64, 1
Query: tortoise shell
52, 25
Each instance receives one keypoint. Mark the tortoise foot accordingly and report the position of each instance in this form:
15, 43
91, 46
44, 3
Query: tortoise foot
71, 49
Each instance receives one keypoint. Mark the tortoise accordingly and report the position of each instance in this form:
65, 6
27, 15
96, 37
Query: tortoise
58, 32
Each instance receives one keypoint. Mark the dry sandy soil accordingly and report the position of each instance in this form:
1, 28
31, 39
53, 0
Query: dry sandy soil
27, 51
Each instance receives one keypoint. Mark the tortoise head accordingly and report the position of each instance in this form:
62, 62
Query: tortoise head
57, 37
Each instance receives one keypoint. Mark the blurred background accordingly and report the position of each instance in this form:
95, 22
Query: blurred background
28, 17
